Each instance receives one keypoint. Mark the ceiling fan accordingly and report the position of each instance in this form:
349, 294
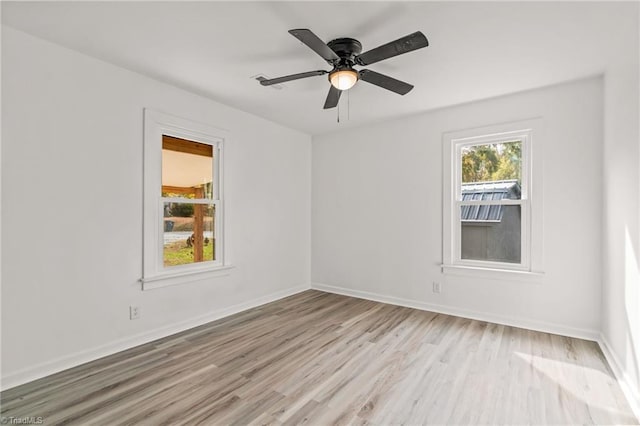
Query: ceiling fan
343, 54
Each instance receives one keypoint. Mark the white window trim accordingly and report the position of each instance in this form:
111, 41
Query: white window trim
154, 274
531, 210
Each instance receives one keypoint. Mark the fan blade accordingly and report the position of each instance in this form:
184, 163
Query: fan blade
269, 82
332, 98
405, 44
386, 82
314, 42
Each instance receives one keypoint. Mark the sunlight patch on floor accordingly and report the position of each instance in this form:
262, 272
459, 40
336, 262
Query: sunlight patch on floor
588, 385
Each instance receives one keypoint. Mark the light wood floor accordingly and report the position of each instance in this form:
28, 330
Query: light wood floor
322, 359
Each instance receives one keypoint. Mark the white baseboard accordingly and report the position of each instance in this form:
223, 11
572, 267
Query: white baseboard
476, 315
50, 367
630, 391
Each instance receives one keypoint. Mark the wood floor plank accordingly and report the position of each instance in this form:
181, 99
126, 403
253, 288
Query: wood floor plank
325, 359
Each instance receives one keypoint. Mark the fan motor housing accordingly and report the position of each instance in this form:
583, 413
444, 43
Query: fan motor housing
345, 48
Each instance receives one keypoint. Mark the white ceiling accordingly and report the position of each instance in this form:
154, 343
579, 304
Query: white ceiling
477, 50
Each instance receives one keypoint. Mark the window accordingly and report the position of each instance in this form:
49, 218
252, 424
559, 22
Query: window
183, 204
488, 206
189, 202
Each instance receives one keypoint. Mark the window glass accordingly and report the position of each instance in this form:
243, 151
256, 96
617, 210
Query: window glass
490, 164
188, 228
491, 233
189, 233
187, 169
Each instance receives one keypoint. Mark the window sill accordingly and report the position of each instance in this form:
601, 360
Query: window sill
492, 273
184, 277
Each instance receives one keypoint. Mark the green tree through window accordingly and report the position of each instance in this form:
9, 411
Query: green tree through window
501, 161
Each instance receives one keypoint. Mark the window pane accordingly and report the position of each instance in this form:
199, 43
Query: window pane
491, 171
187, 168
189, 233
491, 233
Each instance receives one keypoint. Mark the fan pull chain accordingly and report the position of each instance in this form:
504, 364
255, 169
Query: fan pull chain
348, 105
338, 110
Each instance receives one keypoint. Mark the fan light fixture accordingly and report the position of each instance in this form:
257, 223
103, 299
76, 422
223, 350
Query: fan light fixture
343, 79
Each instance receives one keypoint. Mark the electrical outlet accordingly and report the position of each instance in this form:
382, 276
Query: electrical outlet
436, 287
134, 312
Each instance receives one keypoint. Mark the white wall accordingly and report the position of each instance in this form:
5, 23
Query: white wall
621, 283
72, 219
377, 212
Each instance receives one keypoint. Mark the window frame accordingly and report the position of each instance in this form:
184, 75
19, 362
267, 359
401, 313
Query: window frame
530, 210
155, 274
